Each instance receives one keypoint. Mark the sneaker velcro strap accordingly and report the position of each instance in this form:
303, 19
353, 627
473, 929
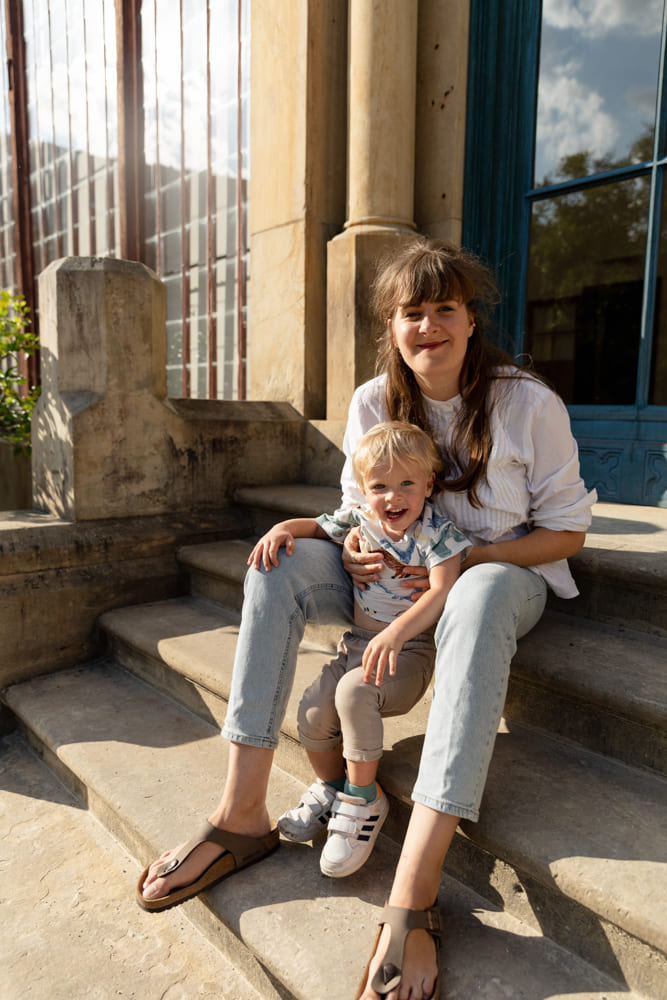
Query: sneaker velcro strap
339, 824
349, 809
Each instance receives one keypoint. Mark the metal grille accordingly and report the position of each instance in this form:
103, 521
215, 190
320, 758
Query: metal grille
71, 77
195, 72
193, 168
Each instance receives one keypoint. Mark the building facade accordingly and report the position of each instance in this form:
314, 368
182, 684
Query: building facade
259, 155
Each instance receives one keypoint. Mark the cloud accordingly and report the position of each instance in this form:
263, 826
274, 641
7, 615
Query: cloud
571, 118
595, 18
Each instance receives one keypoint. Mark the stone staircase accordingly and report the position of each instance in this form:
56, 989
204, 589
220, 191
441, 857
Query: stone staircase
559, 891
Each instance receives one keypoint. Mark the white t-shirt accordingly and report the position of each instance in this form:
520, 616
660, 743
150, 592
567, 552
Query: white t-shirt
533, 477
429, 540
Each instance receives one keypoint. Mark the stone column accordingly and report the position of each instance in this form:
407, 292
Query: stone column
380, 191
297, 193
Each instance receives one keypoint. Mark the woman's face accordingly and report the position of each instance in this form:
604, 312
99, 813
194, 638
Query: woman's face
432, 338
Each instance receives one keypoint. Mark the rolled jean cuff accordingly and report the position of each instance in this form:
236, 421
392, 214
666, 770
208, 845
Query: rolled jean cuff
442, 806
262, 742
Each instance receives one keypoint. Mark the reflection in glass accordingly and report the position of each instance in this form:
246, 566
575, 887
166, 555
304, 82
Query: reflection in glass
192, 186
71, 94
658, 383
7, 243
584, 292
597, 83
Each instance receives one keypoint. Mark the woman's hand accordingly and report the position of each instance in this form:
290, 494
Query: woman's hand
363, 567
416, 580
265, 552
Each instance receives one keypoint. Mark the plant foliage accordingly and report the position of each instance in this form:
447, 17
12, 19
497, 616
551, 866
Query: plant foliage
16, 401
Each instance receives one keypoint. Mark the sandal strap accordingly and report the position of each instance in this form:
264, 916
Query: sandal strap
402, 921
244, 849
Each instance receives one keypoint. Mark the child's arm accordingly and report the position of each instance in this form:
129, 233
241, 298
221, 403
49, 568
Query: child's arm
266, 550
383, 648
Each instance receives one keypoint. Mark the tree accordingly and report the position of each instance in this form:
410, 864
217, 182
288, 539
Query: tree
16, 401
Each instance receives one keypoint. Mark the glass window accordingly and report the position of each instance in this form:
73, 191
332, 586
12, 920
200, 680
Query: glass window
595, 322
597, 85
71, 86
195, 189
584, 290
7, 242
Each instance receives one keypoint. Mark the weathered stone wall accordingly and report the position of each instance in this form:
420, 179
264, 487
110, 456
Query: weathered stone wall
57, 577
106, 441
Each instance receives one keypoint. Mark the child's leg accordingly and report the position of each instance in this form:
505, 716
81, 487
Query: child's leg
319, 732
329, 766
359, 812
361, 774
361, 707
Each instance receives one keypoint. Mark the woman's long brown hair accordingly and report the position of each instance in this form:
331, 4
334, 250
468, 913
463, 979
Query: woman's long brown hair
432, 271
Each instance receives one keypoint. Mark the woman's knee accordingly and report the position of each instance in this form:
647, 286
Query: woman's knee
490, 598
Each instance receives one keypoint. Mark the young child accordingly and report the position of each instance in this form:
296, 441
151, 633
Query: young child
385, 662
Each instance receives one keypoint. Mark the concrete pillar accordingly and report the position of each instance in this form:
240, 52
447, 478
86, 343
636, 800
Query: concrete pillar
442, 74
297, 193
380, 189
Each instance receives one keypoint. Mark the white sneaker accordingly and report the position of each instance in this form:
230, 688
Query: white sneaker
353, 830
311, 816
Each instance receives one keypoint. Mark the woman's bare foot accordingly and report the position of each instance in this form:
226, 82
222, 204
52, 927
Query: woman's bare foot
419, 970
201, 858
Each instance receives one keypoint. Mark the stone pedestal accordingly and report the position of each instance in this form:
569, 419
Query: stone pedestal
352, 330
106, 442
95, 429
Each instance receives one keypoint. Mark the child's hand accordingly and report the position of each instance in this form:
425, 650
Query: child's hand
380, 652
265, 552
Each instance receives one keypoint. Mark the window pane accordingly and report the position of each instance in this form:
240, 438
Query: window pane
584, 297
192, 190
71, 84
597, 86
7, 244
658, 383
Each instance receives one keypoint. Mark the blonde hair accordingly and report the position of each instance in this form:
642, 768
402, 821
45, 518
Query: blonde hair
431, 271
391, 442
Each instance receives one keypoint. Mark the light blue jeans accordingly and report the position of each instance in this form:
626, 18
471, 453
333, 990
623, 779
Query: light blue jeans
488, 609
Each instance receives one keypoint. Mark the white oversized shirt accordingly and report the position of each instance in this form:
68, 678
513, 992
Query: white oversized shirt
429, 540
533, 477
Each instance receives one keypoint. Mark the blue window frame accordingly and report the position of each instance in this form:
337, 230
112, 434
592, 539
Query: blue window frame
576, 231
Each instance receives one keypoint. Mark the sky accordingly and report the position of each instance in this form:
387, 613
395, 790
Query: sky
598, 78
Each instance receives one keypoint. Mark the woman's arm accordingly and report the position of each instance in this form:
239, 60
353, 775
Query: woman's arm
541, 545
383, 648
265, 552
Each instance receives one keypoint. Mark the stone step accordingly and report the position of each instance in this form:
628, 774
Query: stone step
75, 932
149, 770
621, 572
570, 675
542, 847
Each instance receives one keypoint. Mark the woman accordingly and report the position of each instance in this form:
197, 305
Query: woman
513, 487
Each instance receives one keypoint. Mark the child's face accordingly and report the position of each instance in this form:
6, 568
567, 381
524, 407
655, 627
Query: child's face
396, 494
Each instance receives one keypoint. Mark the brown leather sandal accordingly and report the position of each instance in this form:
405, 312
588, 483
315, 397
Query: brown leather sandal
240, 852
402, 921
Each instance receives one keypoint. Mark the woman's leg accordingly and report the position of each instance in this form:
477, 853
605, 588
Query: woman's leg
489, 607
309, 586
415, 887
